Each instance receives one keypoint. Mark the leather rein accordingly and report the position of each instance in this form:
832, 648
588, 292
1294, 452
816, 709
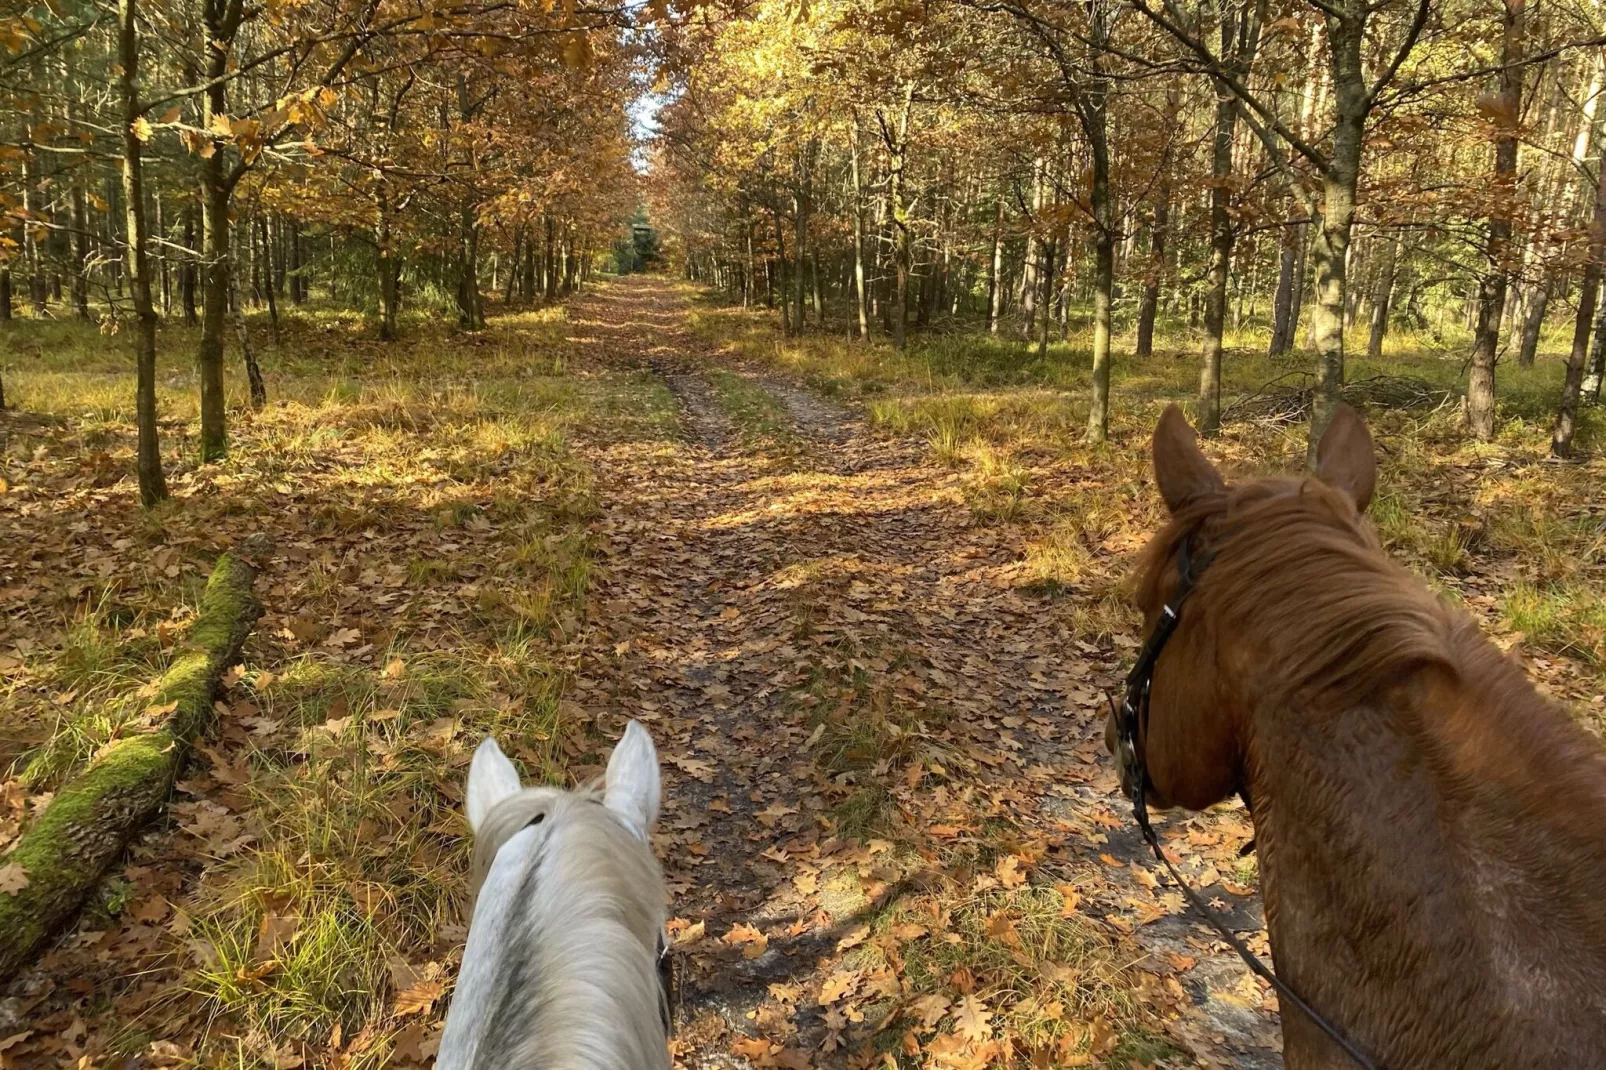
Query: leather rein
1132, 725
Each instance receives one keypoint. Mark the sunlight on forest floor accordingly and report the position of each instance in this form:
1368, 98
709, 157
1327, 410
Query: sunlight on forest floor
426, 572
438, 564
1517, 539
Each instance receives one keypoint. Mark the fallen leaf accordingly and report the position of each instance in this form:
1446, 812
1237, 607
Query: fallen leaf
417, 999
972, 1018
13, 878
930, 1008
752, 942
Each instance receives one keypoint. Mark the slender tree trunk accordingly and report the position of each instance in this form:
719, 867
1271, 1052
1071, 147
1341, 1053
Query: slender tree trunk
1382, 298
995, 270
1050, 260
551, 269
1031, 267
800, 227
861, 299
897, 157
1331, 245
814, 279
221, 18
186, 270
1597, 360
1573, 389
253, 370
267, 279
1095, 120
148, 463
6, 301
1533, 324
1284, 317
164, 273
1216, 274
1492, 287
298, 267
80, 246
782, 294
1159, 227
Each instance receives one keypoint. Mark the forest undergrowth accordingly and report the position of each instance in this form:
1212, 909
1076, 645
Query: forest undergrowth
870, 627
1502, 528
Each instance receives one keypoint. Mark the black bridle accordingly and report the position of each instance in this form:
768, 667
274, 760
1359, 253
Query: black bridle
1132, 726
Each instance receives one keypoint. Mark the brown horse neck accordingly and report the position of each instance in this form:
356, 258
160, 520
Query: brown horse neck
1432, 862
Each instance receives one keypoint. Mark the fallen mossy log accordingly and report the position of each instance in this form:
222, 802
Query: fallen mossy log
96, 813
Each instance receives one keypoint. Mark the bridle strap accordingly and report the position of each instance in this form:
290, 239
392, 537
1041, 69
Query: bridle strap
1132, 724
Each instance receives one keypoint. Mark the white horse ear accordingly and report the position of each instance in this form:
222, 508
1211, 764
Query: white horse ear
491, 779
633, 786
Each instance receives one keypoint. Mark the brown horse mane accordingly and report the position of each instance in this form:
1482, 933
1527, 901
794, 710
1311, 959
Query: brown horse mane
1296, 571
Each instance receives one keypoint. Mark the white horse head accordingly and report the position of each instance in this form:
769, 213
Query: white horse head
561, 971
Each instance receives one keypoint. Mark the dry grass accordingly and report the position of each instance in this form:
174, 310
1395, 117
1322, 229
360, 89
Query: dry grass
1515, 539
429, 567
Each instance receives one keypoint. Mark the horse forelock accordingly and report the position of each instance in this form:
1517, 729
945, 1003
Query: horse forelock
570, 910
1296, 576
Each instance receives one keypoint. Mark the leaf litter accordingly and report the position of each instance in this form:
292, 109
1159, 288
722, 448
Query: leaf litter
890, 829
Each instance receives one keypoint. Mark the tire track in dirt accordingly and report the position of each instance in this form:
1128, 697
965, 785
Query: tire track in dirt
729, 583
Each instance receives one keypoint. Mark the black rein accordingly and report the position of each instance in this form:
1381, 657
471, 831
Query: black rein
1132, 725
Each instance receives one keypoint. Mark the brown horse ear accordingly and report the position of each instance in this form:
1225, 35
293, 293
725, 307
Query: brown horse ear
1345, 457
1181, 469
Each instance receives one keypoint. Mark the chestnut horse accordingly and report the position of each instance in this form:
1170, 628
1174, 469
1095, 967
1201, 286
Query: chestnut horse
1431, 830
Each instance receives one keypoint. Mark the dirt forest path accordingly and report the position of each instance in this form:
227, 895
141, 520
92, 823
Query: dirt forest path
824, 640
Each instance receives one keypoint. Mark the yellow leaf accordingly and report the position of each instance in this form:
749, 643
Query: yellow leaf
752, 942
1008, 872
417, 999
142, 129
972, 1018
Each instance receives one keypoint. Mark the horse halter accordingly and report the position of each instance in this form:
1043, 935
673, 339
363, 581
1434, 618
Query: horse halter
1132, 726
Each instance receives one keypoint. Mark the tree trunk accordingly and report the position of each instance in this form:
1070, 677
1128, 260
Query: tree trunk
220, 29
1331, 245
186, 270
551, 269
897, 154
1496, 277
1561, 439
148, 453
92, 817
800, 227
1597, 360
1216, 274
1095, 125
783, 297
1159, 226
298, 274
1383, 298
253, 371
469, 309
80, 246
1533, 324
861, 299
1290, 287
1031, 267
995, 270
267, 288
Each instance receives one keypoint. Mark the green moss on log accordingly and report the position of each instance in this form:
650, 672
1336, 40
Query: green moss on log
91, 819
